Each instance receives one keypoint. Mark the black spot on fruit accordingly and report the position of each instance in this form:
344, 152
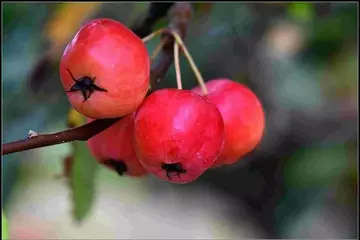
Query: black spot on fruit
85, 85
118, 165
173, 169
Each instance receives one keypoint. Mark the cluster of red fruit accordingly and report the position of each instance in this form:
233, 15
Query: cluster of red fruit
174, 134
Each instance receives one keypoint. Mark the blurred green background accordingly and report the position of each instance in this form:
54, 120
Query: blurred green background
301, 181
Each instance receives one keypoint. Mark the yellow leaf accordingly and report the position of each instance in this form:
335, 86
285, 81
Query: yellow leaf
67, 20
75, 119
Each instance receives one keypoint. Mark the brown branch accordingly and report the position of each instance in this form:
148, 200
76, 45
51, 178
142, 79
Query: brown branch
156, 11
179, 17
179, 14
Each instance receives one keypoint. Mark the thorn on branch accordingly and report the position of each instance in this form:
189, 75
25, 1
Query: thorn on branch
32, 134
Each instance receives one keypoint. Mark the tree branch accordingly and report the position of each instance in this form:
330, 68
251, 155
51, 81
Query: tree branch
179, 17
156, 11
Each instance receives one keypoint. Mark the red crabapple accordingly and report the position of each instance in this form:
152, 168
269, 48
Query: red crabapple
243, 116
178, 134
105, 70
113, 147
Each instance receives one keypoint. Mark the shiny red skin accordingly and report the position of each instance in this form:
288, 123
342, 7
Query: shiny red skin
109, 51
173, 126
243, 117
116, 142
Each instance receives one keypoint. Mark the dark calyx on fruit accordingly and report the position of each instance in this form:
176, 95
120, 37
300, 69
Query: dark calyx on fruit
84, 85
118, 165
175, 168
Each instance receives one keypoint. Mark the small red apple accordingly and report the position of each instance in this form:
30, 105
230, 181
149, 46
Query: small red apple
105, 70
243, 116
178, 134
113, 147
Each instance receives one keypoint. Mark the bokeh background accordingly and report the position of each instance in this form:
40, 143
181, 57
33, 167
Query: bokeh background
300, 182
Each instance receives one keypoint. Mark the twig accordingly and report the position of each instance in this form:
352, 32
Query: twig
157, 50
180, 14
81, 133
152, 35
191, 62
156, 11
177, 65
179, 19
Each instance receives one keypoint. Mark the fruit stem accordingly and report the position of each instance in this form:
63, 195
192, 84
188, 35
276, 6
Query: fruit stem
193, 66
152, 35
177, 65
157, 50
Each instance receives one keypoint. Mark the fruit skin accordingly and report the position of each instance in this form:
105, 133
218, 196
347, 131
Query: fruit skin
177, 127
243, 116
116, 143
111, 53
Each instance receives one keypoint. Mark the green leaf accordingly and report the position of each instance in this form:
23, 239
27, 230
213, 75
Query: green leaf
328, 35
82, 180
316, 166
301, 11
161, 23
4, 227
